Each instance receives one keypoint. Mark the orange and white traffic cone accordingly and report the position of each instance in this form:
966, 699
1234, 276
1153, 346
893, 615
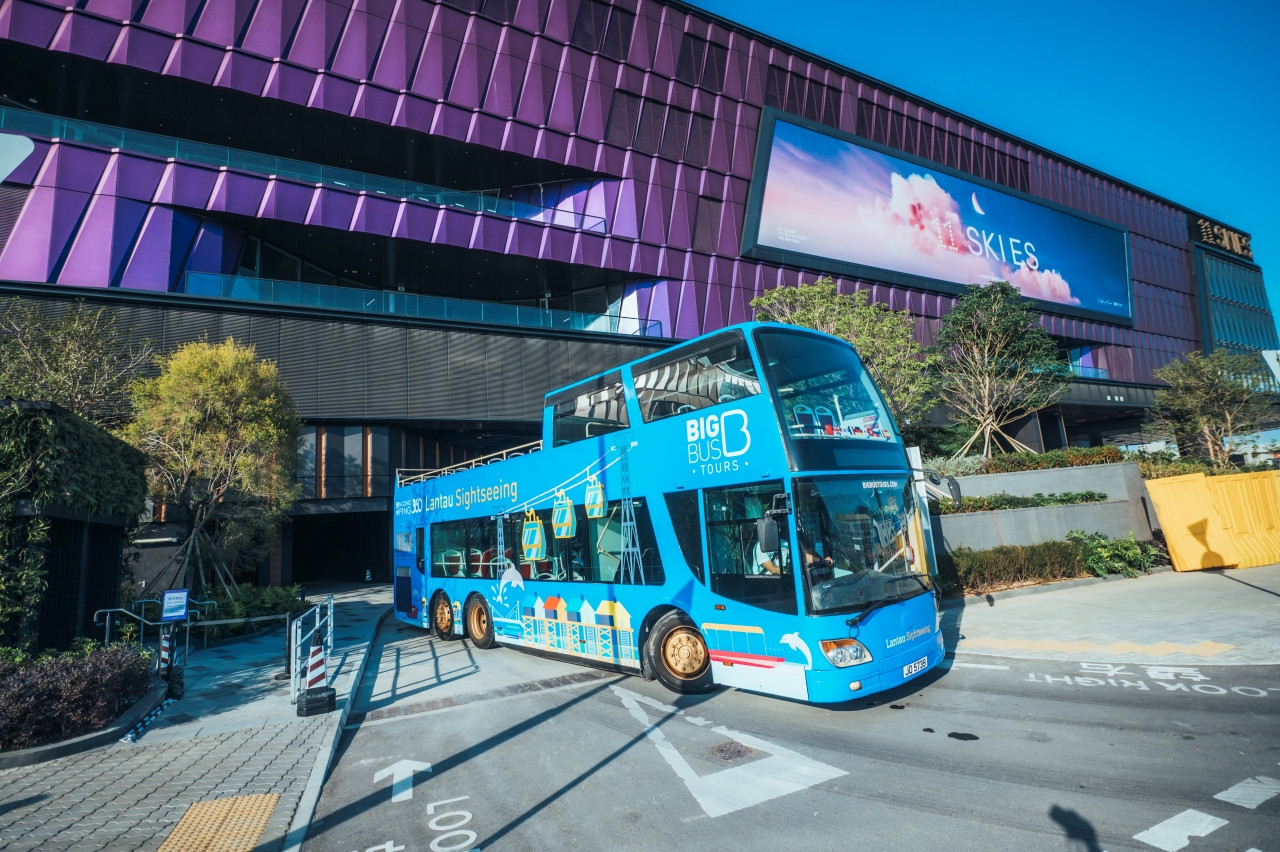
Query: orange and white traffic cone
317, 678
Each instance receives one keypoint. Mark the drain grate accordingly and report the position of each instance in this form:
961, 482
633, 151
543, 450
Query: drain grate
730, 750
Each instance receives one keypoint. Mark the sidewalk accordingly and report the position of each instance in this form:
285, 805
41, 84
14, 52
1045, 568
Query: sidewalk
233, 742
1221, 617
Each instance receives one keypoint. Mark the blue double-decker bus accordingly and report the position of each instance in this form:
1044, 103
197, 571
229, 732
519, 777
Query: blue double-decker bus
738, 509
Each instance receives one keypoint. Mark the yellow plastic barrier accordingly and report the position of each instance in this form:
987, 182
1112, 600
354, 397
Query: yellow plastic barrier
1250, 511
1193, 530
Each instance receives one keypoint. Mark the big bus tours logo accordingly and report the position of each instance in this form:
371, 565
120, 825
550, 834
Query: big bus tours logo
716, 440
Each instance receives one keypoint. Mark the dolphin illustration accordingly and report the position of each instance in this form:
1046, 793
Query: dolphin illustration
510, 577
794, 641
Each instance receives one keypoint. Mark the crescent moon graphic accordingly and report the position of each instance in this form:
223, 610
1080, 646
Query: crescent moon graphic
978, 207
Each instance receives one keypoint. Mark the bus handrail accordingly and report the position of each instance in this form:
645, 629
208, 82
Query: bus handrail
409, 476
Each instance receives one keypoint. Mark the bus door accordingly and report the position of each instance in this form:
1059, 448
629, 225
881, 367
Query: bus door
402, 590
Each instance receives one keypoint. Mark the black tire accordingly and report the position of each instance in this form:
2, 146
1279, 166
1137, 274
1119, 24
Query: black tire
442, 617
678, 654
480, 624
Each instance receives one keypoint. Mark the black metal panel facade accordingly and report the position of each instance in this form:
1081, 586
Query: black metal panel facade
353, 369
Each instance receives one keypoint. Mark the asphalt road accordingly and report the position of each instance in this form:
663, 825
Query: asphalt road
452, 749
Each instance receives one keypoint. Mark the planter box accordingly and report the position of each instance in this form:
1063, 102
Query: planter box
1125, 510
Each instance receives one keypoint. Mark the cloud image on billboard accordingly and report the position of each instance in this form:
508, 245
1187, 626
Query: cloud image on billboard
830, 198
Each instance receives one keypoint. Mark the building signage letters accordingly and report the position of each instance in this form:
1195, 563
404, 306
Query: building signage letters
1220, 236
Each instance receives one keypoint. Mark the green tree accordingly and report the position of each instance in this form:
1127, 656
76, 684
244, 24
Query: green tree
80, 359
885, 339
1212, 400
998, 364
221, 431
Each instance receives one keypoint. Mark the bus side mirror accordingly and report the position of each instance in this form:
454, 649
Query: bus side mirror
933, 481
767, 534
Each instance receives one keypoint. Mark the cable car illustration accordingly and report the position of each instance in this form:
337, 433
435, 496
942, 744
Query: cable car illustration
595, 498
564, 523
533, 538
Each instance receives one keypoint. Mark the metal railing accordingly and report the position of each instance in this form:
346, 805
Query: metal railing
186, 648
165, 147
203, 614
408, 476
245, 288
300, 643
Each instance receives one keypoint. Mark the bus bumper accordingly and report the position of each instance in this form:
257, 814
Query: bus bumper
830, 686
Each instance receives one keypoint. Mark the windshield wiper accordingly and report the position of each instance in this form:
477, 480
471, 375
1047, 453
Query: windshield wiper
875, 605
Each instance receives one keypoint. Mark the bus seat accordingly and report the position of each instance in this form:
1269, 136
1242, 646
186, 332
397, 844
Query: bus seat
486, 568
452, 563
475, 563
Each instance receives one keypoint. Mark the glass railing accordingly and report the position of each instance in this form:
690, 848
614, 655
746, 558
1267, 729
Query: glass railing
393, 303
38, 124
1090, 372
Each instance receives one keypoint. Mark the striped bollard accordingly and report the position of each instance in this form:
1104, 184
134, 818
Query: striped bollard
316, 676
166, 653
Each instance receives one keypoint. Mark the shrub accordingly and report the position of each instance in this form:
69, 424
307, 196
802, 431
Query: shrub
963, 466
1070, 457
61, 696
252, 601
996, 502
965, 571
1106, 555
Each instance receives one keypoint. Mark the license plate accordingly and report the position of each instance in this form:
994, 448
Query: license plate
917, 666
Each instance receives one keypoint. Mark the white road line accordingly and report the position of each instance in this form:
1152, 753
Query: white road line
1177, 831
955, 665
1251, 792
729, 790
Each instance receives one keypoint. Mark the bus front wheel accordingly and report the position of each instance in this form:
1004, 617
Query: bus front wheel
679, 654
480, 624
442, 617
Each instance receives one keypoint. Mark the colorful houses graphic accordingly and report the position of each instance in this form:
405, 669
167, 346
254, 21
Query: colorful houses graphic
571, 626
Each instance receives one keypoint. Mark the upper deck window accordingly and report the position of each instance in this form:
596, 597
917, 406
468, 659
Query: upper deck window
595, 408
692, 378
831, 411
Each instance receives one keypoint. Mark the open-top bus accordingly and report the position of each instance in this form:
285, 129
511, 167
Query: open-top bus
738, 509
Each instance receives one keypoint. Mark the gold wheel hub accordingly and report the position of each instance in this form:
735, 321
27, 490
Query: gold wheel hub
479, 623
444, 616
684, 653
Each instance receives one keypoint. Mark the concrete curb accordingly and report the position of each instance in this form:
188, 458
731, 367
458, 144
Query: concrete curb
311, 795
112, 733
984, 599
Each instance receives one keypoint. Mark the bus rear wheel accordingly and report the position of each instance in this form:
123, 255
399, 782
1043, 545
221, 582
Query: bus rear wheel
679, 654
480, 624
442, 617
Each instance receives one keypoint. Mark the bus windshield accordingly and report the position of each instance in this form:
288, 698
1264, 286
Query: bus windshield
828, 404
863, 540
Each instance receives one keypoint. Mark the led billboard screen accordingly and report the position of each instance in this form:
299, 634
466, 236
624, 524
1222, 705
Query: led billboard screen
827, 197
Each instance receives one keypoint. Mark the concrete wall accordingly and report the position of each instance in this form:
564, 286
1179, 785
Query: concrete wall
1126, 508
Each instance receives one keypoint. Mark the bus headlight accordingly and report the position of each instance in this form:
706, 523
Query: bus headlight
845, 652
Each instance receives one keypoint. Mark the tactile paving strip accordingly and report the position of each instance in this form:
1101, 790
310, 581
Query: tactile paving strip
223, 825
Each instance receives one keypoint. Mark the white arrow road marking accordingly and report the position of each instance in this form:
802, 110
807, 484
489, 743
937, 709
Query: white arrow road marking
739, 787
1251, 792
401, 773
1177, 831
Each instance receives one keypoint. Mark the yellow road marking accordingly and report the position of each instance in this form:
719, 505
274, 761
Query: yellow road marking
1159, 649
224, 825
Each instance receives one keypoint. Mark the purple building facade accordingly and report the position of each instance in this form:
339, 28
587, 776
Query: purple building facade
596, 164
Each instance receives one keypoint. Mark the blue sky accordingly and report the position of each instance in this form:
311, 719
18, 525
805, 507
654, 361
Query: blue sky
1181, 99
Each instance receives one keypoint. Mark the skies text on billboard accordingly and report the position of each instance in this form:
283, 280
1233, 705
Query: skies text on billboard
827, 197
